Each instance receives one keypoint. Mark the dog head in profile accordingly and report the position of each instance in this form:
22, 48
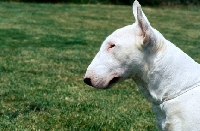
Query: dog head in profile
124, 53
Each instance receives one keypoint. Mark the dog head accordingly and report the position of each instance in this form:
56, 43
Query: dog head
123, 54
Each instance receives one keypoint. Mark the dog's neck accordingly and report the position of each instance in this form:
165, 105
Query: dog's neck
168, 74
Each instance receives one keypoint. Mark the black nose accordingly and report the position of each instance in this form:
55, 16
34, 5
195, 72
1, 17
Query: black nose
88, 81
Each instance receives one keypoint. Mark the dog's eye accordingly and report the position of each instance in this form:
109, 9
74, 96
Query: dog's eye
111, 46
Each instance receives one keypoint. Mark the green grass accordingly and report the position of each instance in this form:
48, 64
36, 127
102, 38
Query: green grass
45, 50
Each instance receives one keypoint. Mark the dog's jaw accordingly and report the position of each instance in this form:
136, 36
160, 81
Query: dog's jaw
101, 81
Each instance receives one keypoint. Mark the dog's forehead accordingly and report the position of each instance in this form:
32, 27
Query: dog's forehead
127, 33
123, 32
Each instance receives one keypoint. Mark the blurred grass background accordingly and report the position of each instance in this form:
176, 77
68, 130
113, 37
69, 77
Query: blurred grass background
45, 50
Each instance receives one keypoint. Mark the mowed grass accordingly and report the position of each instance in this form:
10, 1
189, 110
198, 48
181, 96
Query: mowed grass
45, 50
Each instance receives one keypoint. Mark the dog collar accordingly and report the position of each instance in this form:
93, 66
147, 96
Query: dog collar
182, 92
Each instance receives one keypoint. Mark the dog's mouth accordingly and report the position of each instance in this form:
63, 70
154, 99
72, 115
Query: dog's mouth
114, 80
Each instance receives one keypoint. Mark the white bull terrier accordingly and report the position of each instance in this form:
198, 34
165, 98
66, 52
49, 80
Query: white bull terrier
167, 77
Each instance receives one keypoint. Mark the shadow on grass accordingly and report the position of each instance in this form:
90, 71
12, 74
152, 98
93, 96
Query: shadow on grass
76, 41
19, 38
5, 70
30, 107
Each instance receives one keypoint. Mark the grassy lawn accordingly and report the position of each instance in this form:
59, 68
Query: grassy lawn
45, 50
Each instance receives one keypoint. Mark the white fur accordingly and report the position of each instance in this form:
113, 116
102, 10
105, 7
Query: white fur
167, 76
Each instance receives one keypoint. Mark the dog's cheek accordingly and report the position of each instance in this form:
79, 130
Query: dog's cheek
118, 54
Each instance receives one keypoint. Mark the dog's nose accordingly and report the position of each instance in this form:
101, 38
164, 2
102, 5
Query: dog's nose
88, 81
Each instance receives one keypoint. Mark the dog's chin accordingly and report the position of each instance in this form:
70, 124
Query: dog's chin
109, 85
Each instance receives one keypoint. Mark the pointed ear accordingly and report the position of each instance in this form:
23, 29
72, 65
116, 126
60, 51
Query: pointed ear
136, 4
143, 23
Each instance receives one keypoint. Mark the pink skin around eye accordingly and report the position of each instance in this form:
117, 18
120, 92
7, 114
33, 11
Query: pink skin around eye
111, 46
